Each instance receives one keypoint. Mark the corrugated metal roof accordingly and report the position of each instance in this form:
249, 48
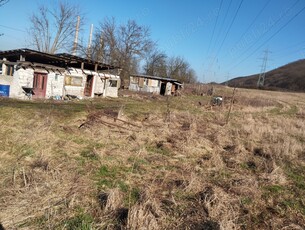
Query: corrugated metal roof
157, 78
61, 60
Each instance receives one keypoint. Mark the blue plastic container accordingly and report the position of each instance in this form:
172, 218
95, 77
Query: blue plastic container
4, 90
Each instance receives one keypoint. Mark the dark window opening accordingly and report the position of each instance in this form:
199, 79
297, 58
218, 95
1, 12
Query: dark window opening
9, 70
113, 83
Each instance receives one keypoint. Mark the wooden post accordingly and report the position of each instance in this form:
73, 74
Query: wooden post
231, 104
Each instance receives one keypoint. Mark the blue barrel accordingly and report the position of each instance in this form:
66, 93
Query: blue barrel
4, 90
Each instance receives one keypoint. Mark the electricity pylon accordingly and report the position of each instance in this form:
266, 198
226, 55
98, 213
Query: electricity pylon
262, 75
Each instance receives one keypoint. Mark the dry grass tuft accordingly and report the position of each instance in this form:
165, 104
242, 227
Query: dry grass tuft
145, 216
143, 162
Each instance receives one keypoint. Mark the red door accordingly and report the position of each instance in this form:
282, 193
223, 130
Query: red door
40, 85
88, 87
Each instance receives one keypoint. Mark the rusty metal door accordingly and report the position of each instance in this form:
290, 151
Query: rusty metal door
40, 85
88, 87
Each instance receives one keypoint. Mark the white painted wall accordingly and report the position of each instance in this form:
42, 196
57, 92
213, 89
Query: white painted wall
110, 91
99, 85
6, 80
102, 85
153, 88
76, 90
168, 90
55, 85
22, 77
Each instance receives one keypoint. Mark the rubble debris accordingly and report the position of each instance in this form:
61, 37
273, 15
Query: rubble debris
105, 118
217, 100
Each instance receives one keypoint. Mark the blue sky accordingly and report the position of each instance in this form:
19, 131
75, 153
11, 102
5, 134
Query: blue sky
218, 42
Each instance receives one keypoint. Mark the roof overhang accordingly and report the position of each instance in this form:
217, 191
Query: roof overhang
62, 60
175, 81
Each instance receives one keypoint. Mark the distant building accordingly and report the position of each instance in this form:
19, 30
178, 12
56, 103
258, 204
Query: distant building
44, 75
153, 84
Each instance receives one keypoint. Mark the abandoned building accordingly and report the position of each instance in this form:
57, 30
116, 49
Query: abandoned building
28, 73
153, 84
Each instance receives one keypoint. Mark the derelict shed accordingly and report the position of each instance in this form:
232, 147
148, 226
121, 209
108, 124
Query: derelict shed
54, 75
154, 84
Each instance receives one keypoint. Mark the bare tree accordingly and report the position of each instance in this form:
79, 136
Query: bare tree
2, 2
128, 44
53, 29
106, 42
155, 63
122, 45
180, 69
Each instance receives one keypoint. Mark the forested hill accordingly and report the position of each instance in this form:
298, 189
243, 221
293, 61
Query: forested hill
290, 77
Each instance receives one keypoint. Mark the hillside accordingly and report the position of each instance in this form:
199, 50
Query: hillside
290, 77
151, 162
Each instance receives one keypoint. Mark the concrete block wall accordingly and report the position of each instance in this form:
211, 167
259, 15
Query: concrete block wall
22, 77
110, 91
168, 88
55, 85
145, 88
99, 85
76, 90
6, 80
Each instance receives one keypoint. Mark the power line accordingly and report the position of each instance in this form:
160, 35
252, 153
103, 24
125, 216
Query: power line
279, 30
12, 28
215, 27
230, 26
291, 46
236, 13
224, 19
253, 22
273, 25
216, 41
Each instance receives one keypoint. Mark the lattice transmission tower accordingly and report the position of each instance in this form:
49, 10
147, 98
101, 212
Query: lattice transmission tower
262, 75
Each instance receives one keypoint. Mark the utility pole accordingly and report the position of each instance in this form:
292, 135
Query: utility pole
74, 50
262, 75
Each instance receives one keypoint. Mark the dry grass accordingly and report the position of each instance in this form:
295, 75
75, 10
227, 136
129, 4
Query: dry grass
165, 164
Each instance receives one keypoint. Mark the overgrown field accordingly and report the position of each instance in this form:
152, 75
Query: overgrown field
165, 163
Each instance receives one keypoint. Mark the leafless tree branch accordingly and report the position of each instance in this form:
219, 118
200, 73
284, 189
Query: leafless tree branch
2, 2
52, 30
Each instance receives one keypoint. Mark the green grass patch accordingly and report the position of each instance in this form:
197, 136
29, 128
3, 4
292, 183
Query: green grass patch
111, 177
81, 221
293, 110
246, 200
137, 164
89, 152
294, 204
132, 196
297, 175
274, 189
158, 149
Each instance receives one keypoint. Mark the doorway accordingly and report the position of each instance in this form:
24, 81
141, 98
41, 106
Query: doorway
40, 85
163, 88
88, 87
